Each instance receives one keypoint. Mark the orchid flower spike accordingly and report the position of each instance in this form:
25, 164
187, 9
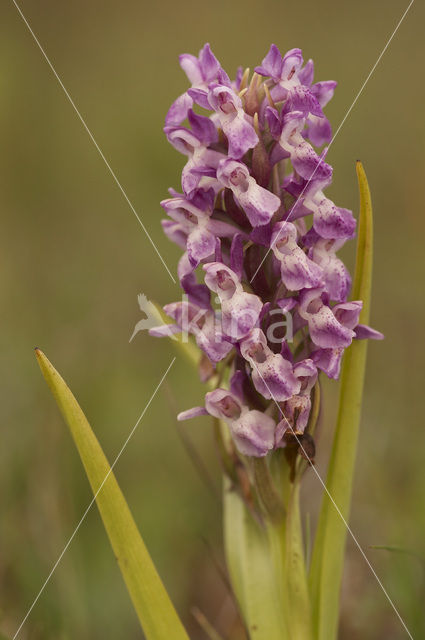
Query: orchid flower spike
266, 295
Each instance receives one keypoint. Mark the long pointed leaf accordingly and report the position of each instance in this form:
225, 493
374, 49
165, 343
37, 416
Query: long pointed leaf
328, 553
154, 608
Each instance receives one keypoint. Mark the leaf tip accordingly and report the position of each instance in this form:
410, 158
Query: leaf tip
44, 363
360, 170
40, 355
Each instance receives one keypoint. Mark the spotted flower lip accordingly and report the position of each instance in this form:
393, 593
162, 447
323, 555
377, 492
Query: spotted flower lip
305, 160
236, 124
254, 433
272, 375
325, 328
329, 359
329, 221
297, 270
240, 310
303, 100
258, 203
193, 216
252, 430
267, 297
195, 144
334, 272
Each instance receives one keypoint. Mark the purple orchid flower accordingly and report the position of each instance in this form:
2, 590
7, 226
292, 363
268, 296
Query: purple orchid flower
304, 159
335, 274
329, 221
200, 72
329, 359
272, 375
255, 215
297, 270
194, 217
236, 124
283, 70
240, 310
294, 84
258, 203
325, 324
298, 406
319, 130
195, 144
253, 431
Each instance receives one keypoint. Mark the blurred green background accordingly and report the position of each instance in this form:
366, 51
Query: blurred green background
73, 259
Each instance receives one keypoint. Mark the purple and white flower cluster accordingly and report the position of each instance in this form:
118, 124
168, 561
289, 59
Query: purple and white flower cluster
259, 237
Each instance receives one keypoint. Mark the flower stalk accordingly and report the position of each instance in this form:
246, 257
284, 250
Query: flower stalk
270, 499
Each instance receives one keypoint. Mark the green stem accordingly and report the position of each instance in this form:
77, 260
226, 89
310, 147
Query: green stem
253, 555
298, 599
269, 497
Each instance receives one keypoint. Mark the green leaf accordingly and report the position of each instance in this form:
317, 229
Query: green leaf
362, 284
153, 606
328, 552
298, 597
254, 559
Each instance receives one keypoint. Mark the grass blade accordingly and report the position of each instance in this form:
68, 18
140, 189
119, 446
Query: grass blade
153, 606
328, 552
399, 550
